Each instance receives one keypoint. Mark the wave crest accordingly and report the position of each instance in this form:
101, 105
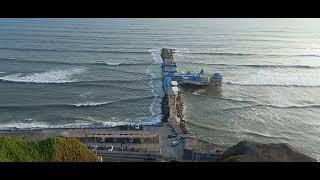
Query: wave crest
53, 76
91, 104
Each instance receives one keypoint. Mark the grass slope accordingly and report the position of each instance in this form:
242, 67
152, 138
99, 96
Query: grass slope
14, 149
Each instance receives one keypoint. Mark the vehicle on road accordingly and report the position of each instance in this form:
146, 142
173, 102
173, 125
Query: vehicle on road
172, 136
174, 143
149, 157
101, 148
110, 148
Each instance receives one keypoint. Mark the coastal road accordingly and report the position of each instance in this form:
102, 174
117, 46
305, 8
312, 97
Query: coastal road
174, 152
118, 156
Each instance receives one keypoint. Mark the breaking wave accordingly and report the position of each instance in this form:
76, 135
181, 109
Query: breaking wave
91, 104
88, 123
294, 106
274, 106
280, 85
155, 85
76, 105
53, 76
99, 63
113, 64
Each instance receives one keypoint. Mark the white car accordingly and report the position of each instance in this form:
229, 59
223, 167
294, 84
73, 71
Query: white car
110, 148
174, 143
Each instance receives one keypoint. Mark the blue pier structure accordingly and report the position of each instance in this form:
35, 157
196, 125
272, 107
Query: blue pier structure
171, 77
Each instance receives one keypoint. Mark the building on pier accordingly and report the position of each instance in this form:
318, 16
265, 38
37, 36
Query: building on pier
199, 79
170, 73
169, 67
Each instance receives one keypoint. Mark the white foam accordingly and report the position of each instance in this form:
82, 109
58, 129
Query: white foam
53, 76
91, 104
84, 95
155, 52
25, 125
28, 119
155, 108
115, 121
113, 64
196, 93
78, 124
2, 72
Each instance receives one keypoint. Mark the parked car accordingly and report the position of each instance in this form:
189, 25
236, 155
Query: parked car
172, 136
150, 158
110, 148
174, 143
101, 148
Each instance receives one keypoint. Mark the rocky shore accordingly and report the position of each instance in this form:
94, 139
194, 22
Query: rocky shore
179, 104
165, 108
167, 53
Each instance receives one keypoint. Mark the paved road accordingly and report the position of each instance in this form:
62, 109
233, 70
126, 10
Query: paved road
165, 143
108, 156
173, 152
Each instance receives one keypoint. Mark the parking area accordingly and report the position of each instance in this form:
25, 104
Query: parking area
167, 150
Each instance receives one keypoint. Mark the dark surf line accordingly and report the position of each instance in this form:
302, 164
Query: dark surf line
115, 86
254, 65
273, 106
72, 63
222, 98
78, 50
256, 134
271, 85
250, 54
76, 105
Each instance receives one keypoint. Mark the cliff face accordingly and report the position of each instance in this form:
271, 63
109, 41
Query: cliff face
250, 151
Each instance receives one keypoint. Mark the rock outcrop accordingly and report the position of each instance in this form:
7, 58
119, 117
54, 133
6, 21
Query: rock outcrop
250, 151
165, 108
167, 53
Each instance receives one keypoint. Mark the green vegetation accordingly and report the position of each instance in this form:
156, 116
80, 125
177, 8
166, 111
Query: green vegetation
14, 149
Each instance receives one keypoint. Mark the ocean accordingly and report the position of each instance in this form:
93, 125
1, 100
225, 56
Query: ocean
70, 72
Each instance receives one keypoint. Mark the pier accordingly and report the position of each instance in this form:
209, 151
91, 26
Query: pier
172, 102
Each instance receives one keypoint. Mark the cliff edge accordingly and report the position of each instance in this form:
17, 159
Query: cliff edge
251, 151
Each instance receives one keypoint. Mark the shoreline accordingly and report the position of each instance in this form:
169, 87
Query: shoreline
12, 129
189, 148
